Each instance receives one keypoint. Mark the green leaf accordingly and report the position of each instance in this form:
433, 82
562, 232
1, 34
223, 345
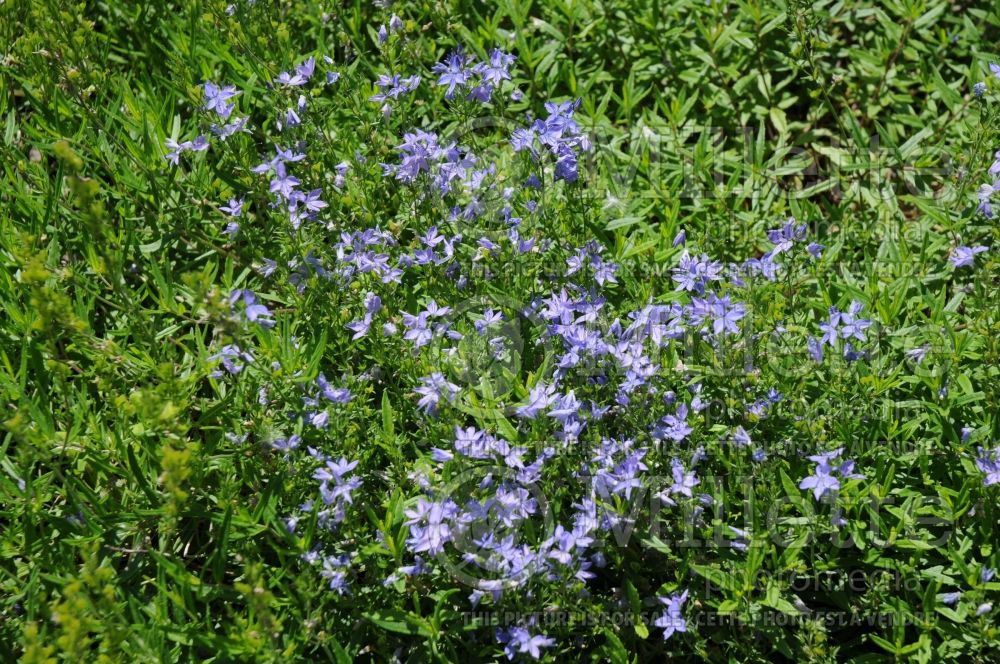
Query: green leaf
635, 602
774, 600
724, 580
388, 427
728, 606
399, 622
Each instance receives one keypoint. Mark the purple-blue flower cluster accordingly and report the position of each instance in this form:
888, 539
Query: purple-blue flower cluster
607, 379
826, 477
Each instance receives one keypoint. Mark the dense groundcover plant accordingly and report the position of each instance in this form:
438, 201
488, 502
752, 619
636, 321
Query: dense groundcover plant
399, 332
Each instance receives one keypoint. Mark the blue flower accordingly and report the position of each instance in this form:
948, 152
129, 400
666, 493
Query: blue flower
230, 357
985, 195
540, 397
989, 463
963, 256
215, 98
725, 315
497, 69
693, 274
821, 482
994, 168
339, 395
517, 640
335, 470
234, 209
683, 482
844, 325
253, 311
949, 599
454, 71
918, 354
783, 237
429, 525
815, 349
286, 444
672, 620
283, 184
334, 571
824, 478
301, 76
434, 387
674, 427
